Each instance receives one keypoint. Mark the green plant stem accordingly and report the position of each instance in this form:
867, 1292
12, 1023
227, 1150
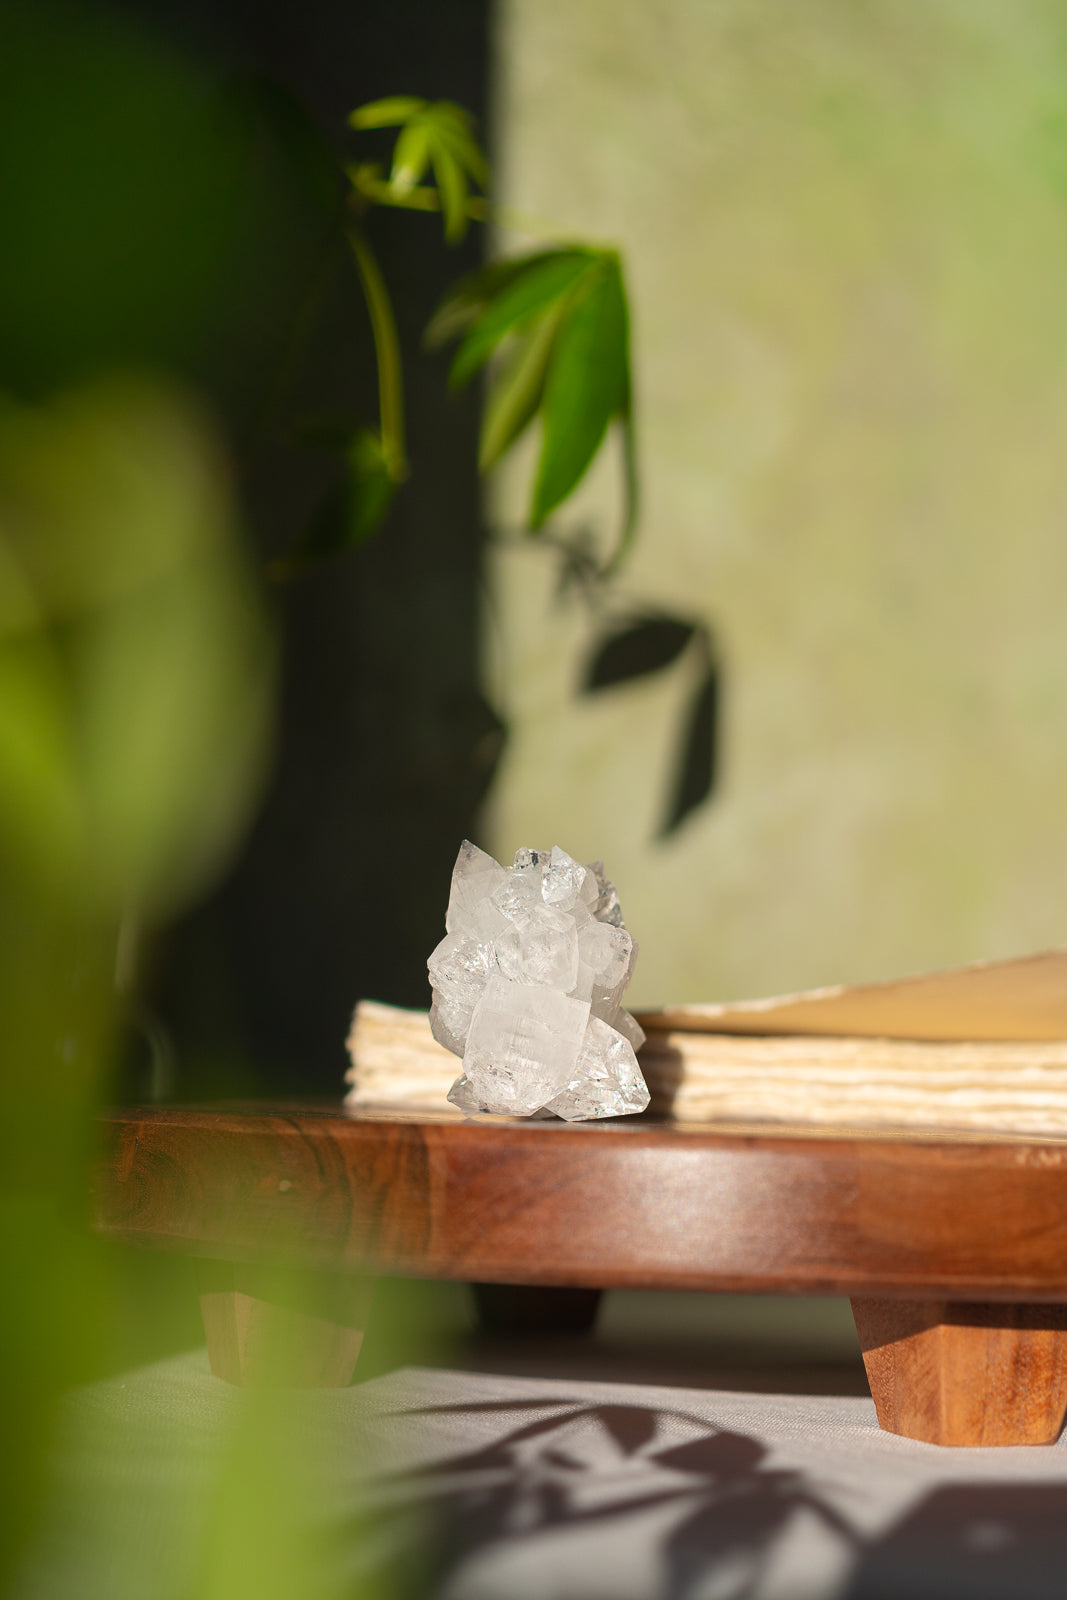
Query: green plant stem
630, 491
387, 348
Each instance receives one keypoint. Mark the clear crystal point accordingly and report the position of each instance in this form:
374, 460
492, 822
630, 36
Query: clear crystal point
607, 1080
563, 878
474, 877
462, 1095
528, 985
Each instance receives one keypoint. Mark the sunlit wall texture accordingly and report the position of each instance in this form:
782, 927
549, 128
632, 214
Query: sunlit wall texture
846, 233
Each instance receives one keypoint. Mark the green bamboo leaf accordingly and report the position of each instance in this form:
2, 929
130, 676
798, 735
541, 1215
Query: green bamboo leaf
585, 387
387, 351
351, 511
628, 529
468, 297
386, 113
465, 148
411, 156
516, 394
452, 188
546, 279
371, 485
450, 111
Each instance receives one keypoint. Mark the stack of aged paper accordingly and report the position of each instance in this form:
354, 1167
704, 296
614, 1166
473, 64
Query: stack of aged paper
982, 1047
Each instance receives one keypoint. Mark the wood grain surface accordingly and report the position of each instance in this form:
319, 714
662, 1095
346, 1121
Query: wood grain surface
277, 1326
963, 1374
597, 1205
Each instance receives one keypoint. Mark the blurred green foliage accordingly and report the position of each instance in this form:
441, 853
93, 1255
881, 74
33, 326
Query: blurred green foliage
552, 331
438, 136
135, 665
553, 325
136, 659
145, 211
155, 224
135, 686
561, 320
129, 218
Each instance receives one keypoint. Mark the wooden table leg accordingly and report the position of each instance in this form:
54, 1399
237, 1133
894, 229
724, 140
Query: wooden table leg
515, 1308
959, 1373
282, 1327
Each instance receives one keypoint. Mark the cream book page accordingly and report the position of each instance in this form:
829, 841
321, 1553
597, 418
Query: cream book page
1024, 999
981, 1048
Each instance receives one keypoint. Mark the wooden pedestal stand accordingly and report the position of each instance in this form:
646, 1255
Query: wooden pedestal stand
953, 1250
282, 1326
964, 1373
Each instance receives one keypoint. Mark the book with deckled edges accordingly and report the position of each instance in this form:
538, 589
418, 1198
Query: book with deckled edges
981, 1047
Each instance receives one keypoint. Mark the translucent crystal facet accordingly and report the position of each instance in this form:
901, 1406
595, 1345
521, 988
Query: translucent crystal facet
607, 1080
527, 988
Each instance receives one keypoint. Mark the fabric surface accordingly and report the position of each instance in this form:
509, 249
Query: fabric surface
481, 1486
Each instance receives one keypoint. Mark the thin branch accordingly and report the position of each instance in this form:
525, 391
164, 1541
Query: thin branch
630, 493
387, 347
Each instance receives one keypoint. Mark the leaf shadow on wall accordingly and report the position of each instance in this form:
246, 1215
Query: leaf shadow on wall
648, 642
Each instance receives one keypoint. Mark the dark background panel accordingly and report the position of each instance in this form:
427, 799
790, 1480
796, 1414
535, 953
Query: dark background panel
384, 742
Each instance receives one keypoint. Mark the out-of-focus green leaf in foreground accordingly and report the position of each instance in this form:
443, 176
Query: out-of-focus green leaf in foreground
275, 1528
134, 217
135, 686
135, 666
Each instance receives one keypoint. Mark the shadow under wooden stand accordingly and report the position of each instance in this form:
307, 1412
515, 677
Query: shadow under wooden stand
521, 1310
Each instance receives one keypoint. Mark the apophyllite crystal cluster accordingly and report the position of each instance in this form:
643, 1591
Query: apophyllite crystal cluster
528, 984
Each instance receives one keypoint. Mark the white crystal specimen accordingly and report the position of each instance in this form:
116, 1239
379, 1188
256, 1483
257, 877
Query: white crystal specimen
528, 984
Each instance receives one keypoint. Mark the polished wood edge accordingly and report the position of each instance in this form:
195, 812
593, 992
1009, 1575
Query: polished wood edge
849, 1285
630, 1205
253, 1116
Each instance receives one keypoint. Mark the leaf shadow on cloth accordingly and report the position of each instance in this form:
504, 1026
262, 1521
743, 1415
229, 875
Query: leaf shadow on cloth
975, 1541
664, 1504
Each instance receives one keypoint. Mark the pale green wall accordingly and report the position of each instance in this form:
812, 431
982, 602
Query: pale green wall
846, 232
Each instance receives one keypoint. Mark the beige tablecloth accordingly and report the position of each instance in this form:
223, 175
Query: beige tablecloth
497, 1486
